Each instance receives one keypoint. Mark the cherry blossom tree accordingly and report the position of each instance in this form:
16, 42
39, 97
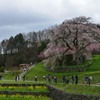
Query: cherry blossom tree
73, 36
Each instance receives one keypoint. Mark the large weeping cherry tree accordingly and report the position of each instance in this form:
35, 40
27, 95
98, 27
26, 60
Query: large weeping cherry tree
73, 36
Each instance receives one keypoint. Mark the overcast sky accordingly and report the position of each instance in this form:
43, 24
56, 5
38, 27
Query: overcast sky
18, 16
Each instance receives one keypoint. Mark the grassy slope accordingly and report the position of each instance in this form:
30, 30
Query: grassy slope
94, 71
40, 71
96, 64
79, 89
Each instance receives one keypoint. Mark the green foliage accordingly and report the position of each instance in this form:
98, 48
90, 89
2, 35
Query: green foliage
69, 59
17, 50
42, 45
23, 97
2, 69
24, 88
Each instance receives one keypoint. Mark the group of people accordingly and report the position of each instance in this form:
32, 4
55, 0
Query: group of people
48, 78
74, 79
87, 79
17, 78
53, 78
65, 79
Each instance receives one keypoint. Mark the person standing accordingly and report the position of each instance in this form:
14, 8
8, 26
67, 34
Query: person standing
15, 78
72, 79
63, 78
67, 79
89, 80
55, 79
76, 79
35, 78
85, 79
52, 78
49, 78
44, 77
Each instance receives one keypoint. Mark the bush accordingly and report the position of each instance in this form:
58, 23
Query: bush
2, 69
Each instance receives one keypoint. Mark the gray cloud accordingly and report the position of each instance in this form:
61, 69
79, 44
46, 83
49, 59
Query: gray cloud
28, 15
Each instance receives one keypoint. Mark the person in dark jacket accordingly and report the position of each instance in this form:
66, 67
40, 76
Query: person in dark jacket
73, 79
76, 79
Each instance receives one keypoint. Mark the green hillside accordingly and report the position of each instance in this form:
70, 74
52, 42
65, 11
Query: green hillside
93, 70
96, 63
39, 69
